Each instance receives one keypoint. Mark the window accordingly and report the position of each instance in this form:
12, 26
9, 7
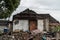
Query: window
16, 22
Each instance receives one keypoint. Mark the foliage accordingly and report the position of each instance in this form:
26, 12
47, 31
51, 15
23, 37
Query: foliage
7, 7
56, 29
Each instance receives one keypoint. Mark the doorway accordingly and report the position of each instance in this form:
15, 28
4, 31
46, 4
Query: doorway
32, 25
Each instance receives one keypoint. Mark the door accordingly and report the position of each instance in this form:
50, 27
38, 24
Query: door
33, 25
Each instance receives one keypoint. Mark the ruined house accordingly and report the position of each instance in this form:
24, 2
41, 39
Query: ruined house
28, 20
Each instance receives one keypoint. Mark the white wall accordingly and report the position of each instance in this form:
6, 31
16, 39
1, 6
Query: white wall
47, 24
40, 25
22, 25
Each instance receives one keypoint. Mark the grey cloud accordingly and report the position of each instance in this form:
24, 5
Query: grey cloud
55, 4
50, 4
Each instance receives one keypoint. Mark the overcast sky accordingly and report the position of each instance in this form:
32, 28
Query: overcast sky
41, 6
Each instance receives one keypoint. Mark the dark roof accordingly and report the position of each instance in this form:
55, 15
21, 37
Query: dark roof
51, 19
4, 22
28, 11
29, 14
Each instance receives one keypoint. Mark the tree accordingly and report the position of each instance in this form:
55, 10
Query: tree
7, 7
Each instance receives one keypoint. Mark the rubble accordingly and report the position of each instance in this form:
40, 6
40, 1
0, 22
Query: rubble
20, 36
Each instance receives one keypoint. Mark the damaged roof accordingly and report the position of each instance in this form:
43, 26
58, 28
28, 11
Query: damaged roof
30, 14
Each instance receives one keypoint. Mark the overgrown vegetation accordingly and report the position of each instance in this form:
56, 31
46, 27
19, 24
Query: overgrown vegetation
56, 29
